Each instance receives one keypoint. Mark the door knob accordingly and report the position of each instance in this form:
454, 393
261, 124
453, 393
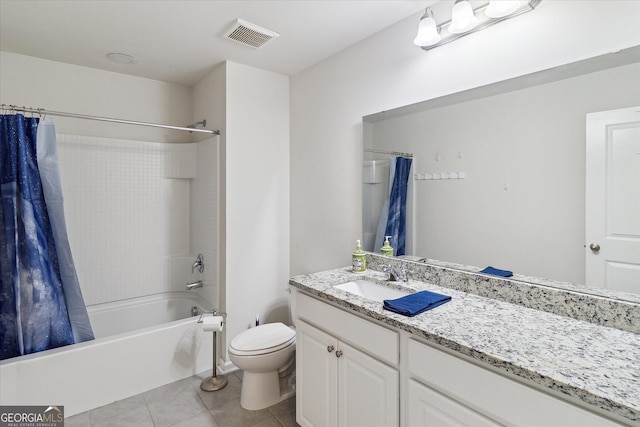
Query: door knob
330, 348
594, 247
338, 353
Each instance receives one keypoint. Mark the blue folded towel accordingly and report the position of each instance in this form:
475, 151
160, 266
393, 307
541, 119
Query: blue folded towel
497, 272
416, 303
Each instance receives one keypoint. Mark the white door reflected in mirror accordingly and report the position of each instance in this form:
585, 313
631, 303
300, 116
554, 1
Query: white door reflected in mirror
613, 200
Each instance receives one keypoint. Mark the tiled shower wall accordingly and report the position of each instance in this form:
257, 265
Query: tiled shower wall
128, 211
204, 217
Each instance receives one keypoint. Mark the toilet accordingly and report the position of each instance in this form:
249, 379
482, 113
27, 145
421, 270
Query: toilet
266, 354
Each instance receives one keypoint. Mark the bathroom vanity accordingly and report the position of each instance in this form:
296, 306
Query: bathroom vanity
474, 361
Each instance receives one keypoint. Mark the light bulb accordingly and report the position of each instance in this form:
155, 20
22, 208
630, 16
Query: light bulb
501, 8
427, 30
462, 17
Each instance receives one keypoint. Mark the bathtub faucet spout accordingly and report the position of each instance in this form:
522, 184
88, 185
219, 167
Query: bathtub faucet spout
193, 285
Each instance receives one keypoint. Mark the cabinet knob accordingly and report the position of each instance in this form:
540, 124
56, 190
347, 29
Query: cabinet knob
338, 353
330, 348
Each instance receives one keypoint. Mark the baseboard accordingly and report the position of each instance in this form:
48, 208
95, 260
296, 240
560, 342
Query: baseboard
226, 367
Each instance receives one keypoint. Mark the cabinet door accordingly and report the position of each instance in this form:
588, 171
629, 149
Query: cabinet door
316, 377
367, 390
426, 407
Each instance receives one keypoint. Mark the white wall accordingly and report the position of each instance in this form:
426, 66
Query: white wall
257, 195
253, 191
387, 71
40, 83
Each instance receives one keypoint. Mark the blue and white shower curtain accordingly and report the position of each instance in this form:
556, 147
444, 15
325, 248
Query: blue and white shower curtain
41, 306
393, 217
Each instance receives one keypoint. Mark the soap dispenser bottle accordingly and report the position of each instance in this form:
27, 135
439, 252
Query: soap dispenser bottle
386, 249
359, 259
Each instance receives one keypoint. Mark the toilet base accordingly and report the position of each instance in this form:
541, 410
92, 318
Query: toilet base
261, 390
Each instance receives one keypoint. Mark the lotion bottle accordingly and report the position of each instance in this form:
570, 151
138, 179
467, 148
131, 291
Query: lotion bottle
359, 259
386, 249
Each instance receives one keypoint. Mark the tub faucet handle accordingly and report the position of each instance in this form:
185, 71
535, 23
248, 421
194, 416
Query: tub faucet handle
199, 264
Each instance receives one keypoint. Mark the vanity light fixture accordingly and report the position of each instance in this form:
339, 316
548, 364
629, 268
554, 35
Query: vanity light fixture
500, 8
466, 20
463, 18
428, 33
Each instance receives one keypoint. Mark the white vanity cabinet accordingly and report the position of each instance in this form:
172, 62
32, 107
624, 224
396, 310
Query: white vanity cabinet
446, 390
354, 372
346, 371
474, 361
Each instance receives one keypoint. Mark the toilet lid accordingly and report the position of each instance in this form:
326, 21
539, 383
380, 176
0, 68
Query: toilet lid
263, 338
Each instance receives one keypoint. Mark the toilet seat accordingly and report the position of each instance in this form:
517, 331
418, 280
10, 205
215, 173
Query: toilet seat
262, 339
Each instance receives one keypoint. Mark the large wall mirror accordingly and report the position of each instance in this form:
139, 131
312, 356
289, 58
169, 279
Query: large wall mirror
498, 172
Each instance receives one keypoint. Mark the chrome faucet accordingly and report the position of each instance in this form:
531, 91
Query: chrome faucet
395, 274
191, 286
199, 264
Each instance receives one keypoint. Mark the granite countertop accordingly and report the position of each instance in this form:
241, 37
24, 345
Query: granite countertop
596, 364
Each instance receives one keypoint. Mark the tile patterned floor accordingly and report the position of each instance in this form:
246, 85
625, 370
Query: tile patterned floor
184, 404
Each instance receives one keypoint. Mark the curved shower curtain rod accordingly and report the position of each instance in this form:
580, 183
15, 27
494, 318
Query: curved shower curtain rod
392, 153
42, 111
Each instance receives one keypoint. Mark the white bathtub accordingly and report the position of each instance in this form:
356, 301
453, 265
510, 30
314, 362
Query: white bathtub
140, 344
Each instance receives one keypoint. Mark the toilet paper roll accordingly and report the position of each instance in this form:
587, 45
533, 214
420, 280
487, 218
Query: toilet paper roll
212, 323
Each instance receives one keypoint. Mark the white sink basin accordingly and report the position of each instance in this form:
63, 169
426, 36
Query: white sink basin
371, 290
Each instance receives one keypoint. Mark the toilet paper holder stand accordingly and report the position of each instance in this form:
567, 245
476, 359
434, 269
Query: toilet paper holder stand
214, 312
214, 382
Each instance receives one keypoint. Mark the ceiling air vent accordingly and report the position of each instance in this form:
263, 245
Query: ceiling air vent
250, 34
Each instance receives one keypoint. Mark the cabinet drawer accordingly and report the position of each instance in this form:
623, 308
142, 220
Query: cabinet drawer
502, 399
374, 339
427, 407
